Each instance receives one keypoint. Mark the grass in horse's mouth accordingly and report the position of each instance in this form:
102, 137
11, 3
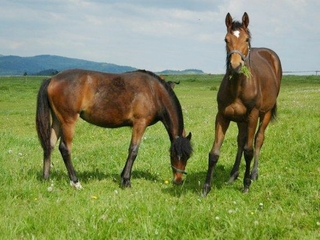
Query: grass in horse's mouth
245, 70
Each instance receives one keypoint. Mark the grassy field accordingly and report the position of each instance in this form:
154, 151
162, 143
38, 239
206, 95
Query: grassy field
283, 204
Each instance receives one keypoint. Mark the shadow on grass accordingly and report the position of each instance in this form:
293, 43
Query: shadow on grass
83, 176
87, 176
195, 180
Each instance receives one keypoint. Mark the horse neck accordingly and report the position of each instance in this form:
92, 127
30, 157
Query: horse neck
234, 79
233, 83
173, 119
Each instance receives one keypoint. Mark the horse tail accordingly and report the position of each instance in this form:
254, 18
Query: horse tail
43, 117
274, 112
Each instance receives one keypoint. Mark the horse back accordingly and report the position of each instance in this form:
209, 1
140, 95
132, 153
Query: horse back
266, 71
266, 64
104, 99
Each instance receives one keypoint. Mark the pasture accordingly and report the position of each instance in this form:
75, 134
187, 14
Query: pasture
284, 203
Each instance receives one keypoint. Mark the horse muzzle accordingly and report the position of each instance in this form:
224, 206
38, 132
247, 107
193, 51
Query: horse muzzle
236, 60
178, 175
236, 67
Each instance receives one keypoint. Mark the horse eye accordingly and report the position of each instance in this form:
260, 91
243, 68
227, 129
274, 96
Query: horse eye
247, 40
226, 40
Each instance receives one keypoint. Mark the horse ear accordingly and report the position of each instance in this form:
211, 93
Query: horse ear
245, 20
228, 21
189, 136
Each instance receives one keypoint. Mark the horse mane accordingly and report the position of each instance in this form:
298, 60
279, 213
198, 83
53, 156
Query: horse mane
171, 94
181, 147
236, 25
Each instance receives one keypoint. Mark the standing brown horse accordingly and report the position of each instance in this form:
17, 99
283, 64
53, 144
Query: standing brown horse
247, 95
138, 99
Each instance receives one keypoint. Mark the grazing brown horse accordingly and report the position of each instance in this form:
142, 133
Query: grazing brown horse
247, 96
137, 99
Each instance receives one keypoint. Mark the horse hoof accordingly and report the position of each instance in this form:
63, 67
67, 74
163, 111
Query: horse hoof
76, 185
206, 190
254, 177
245, 190
125, 183
233, 177
231, 180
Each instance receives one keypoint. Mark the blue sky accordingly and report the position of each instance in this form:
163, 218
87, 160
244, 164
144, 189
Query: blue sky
159, 35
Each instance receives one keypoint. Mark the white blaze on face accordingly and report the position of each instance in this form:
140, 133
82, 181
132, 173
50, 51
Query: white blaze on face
236, 33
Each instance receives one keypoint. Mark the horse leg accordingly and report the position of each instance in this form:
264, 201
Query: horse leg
65, 148
54, 136
259, 139
137, 133
248, 148
242, 133
221, 127
47, 160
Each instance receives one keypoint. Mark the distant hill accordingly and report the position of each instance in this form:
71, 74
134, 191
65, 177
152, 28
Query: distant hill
46, 65
187, 71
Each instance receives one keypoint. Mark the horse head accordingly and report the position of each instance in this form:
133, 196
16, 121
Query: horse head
180, 152
237, 42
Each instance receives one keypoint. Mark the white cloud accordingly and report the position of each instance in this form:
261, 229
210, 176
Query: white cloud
158, 35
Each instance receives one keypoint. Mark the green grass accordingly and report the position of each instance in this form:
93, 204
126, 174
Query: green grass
283, 204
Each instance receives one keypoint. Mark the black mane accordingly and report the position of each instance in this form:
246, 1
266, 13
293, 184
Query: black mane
236, 25
172, 95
